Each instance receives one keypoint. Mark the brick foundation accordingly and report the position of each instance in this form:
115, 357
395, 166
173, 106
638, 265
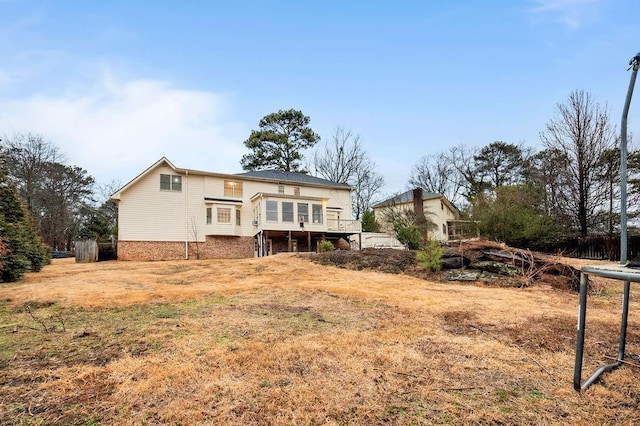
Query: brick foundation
212, 248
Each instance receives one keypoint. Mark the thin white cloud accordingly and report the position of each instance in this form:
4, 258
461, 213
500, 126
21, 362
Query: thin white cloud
115, 129
572, 14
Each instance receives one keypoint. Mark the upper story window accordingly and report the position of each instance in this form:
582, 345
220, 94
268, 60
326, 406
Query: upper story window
170, 182
280, 189
232, 188
209, 216
296, 191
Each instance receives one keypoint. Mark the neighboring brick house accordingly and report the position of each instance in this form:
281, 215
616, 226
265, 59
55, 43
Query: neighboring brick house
437, 210
174, 213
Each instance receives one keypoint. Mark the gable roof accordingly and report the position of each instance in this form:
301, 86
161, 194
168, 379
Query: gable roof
116, 195
293, 177
276, 176
407, 197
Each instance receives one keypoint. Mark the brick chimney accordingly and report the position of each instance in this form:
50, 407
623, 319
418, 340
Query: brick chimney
418, 207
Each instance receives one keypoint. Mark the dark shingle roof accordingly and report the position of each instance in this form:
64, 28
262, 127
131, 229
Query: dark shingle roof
294, 177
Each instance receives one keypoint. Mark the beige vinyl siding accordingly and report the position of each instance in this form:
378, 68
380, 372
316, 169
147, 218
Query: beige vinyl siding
440, 215
214, 188
197, 210
435, 212
148, 214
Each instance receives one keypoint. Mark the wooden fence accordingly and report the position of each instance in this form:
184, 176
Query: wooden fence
86, 251
595, 247
94, 251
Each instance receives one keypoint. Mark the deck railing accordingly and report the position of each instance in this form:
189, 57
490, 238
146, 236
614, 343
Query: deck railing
344, 225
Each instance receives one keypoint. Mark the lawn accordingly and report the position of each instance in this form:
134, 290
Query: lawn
281, 340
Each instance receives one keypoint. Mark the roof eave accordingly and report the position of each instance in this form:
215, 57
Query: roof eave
117, 195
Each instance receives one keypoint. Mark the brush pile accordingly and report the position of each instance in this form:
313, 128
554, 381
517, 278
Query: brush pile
477, 261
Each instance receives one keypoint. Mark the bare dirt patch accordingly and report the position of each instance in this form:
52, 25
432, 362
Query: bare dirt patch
282, 340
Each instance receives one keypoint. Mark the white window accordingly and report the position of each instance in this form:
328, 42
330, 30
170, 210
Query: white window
232, 189
209, 216
280, 189
176, 183
256, 213
303, 212
296, 191
165, 182
272, 211
287, 212
223, 215
317, 213
237, 217
170, 182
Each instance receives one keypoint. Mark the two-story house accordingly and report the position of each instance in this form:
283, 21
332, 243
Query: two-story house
437, 209
168, 212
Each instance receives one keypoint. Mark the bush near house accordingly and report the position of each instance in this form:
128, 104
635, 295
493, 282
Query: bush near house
325, 246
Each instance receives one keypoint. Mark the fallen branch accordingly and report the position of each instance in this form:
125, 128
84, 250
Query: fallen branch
405, 374
456, 389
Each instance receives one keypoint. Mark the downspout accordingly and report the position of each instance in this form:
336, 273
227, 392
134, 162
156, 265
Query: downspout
186, 216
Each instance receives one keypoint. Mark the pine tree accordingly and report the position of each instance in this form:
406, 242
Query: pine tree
21, 248
279, 142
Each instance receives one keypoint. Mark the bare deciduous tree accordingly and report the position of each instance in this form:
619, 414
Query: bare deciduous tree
436, 173
367, 185
463, 173
472, 181
343, 160
28, 154
339, 159
582, 132
195, 235
53, 192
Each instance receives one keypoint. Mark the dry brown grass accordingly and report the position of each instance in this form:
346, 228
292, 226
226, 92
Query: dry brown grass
281, 340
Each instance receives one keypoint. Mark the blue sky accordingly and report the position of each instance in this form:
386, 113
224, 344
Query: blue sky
119, 84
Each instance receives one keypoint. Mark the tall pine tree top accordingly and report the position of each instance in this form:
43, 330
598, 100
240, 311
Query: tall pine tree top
279, 142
